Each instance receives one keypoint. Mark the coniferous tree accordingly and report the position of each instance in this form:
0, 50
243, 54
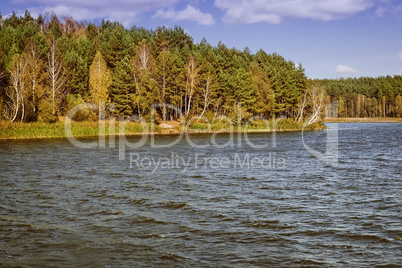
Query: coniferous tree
122, 87
77, 59
113, 43
220, 79
241, 89
265, 97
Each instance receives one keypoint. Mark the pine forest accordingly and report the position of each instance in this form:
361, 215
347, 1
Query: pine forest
49, 65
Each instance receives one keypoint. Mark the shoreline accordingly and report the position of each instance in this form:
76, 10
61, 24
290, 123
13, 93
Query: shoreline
364, 120
170, 133
30, 131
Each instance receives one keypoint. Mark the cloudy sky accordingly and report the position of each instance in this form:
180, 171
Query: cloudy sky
330, 38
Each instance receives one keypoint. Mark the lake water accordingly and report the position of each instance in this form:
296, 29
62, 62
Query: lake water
187, 206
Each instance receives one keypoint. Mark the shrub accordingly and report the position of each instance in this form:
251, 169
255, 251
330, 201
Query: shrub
83, 114
197, 125
45, 114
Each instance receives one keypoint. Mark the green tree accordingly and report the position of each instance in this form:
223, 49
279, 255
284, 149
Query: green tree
77, 59
113, 43
241, 89
122, 88
265, 97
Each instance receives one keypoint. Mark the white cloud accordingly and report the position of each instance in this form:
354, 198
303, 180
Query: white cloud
344, 70
380, 12
124, 11
400, 55
275, 11
189, 14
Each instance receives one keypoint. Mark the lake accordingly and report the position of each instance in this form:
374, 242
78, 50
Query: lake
206, 201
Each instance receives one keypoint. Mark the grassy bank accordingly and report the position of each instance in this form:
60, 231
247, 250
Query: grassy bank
57, 130
91, 129
255, 126
364, 120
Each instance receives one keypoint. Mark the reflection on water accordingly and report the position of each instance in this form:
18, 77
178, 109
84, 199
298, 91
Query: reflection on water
62, 205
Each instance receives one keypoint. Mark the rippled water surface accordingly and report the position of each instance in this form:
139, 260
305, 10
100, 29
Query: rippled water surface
234, 205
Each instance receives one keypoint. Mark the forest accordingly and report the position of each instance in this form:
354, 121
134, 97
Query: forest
49, 65
366, 96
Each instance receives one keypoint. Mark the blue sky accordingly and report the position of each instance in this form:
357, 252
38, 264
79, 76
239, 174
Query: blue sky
330, 38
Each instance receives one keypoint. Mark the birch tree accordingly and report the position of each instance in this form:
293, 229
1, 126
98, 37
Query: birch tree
316, 98
302, 106
144, 59
57, 76
162, 78
34, 67
209, 89
143, 74
312, 101
206, 94
191, 82
16, 94
2, 75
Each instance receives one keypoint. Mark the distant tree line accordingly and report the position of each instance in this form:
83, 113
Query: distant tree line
49, 64
365, 96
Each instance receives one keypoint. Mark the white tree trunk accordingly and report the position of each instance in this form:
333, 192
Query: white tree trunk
17, 80
301, 108
192, 72
206, 94
56, 75
317, 97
